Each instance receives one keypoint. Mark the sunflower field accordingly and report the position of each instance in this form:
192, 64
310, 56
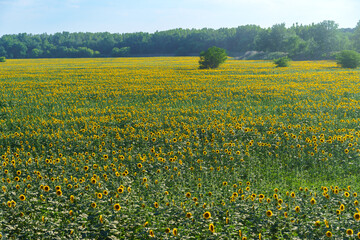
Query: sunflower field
154, 148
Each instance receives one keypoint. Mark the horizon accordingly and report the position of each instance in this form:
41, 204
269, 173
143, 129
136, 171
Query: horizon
53, 16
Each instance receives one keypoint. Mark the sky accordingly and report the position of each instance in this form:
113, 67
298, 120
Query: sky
127, 16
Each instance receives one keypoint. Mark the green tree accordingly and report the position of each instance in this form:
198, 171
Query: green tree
212, 58
2, 59
282, 62
35, 53
120, 52
348, 59
356, 37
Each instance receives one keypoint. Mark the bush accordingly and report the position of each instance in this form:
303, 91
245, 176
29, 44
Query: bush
348, 59
282, 62
2, 59
212, 58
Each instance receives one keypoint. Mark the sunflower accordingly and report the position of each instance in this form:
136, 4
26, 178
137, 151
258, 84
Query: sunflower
349, 232
167, 230
22, 197
312, 201
297, 209
117, 207
342, 207
212, 228
175, 232
99, 195
207, 215
93, 205
357, 216
59, 192
188, 195
188, 215
328, 234
156, 205
46, 188
269, 213
151, 233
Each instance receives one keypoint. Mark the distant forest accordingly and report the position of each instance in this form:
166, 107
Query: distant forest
315, 41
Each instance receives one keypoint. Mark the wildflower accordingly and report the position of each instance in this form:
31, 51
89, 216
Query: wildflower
207, 215
349, 232
117, 207
212, 228
269, 213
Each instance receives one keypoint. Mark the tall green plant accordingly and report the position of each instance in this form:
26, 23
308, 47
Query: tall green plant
348, 59
212, 58
2, 59
282, 62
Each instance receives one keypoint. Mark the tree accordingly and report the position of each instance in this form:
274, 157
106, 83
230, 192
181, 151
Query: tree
282, 62
2, 59
356, 37
120, 52
212, 58
348, 59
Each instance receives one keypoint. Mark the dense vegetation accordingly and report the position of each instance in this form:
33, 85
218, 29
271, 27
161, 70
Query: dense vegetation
153, 148
315, 41
348, 59
282, 62
212, 58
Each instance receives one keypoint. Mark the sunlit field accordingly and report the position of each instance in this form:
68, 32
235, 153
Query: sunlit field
141, 148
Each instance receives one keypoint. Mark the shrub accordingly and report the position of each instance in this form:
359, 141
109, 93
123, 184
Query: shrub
282, 62
212, 58
2, 59
348, 59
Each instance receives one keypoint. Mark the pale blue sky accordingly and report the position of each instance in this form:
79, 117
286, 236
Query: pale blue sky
120, 16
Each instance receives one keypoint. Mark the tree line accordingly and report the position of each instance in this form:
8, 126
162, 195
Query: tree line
314, 41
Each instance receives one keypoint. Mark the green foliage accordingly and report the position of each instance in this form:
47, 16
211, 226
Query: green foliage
212, 58
120, 52
282, 62
2, 59
315, 41
348, 59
